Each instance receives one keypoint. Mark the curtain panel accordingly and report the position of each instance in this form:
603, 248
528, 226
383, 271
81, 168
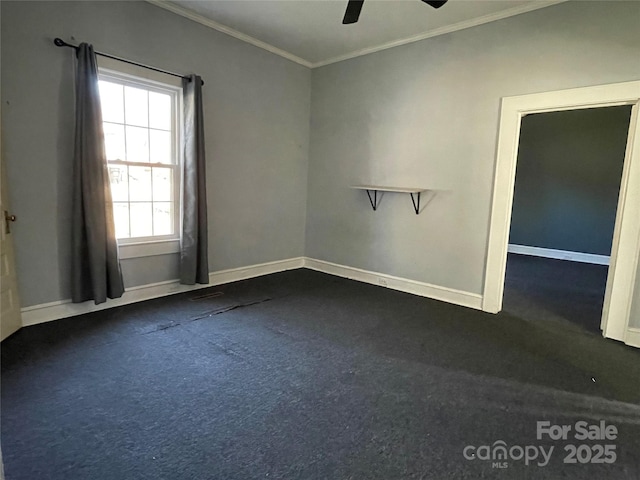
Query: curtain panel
95, 266
194, 264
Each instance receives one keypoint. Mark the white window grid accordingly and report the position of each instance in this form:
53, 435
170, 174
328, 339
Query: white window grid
175, 94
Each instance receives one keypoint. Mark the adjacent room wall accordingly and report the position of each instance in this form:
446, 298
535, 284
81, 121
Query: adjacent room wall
568, 179
256, 105
426, 115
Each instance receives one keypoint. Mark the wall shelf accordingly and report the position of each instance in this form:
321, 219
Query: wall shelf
414, 192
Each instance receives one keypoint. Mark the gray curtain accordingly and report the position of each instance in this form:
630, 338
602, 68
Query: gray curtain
194, 264
95, 266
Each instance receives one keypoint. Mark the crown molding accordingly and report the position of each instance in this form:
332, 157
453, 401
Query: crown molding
183, 12
492, 17
357, 53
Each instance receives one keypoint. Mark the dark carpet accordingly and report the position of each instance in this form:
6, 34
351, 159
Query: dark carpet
301, 375
545, 289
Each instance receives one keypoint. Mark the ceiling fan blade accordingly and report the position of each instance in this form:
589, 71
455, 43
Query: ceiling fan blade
353, 11
435, 3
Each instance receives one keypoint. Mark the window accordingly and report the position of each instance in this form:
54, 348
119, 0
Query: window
140, 122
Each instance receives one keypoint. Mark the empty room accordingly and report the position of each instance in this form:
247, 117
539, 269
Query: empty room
320, 239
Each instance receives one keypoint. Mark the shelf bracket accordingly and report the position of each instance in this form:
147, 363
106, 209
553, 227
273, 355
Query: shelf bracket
416, 205
373, 201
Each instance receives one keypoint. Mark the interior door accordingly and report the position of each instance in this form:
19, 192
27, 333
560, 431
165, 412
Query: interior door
619, 317
10, 320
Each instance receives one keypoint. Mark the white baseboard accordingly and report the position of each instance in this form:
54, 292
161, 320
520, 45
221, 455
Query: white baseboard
242, 273
559, 254
449, 295
46, 312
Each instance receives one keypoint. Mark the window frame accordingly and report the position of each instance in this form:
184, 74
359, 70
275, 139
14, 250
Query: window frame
134, 247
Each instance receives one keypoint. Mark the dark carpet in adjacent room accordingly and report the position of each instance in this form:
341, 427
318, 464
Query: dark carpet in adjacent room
302, 375
545, 289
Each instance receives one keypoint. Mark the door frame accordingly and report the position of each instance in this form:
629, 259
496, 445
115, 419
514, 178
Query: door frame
626, 239
11, 320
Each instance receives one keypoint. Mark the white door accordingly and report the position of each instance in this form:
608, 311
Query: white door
9, 300
619, 319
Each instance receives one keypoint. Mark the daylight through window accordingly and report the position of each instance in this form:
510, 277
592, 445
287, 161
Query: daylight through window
140, 131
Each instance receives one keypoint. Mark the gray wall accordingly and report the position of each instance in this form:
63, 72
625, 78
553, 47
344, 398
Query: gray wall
426, 115
568, 179
257, 108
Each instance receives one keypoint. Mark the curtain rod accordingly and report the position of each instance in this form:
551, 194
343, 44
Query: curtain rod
61, 43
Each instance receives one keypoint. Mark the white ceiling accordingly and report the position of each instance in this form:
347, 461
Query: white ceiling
311, 32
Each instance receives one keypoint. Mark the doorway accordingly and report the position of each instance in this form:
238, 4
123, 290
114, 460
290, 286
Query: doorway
10, 320
567, 184
619, 294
